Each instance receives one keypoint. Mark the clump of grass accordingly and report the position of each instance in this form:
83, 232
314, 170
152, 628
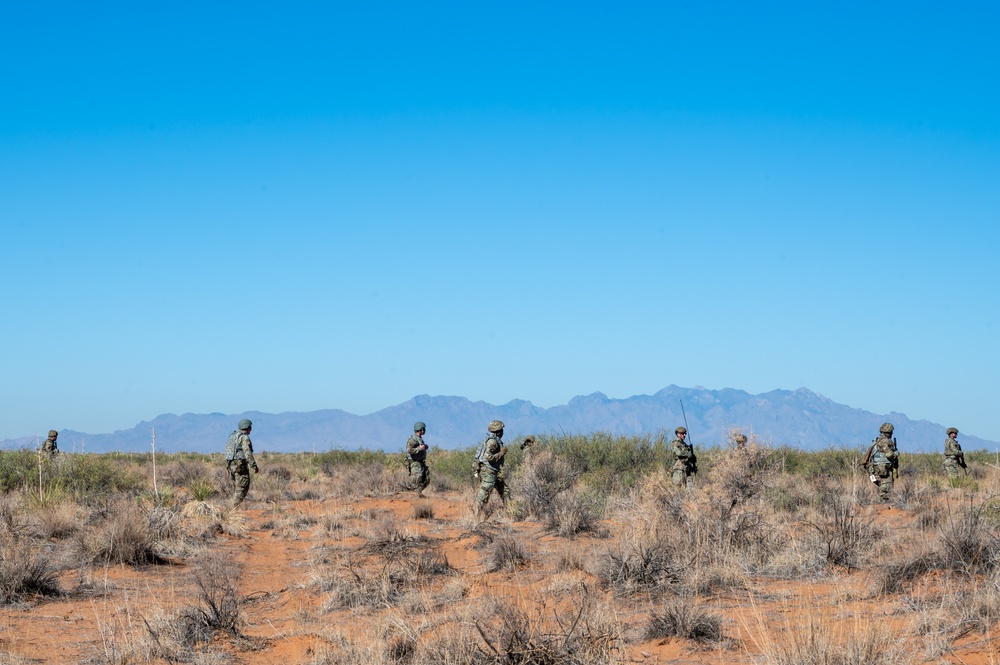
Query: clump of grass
123, 537
573, 513
641, 565
24, 573
507, 554
682, 617
202, 489
590, 634
423, 510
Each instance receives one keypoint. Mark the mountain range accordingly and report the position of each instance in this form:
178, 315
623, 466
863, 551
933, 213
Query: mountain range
798, 418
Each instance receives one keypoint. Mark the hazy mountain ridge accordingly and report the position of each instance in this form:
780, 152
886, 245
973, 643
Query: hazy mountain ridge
799, 418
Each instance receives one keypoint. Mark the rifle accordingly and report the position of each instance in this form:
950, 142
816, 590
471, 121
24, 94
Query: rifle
694, 458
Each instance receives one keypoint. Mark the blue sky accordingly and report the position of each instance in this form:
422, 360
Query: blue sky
286, 208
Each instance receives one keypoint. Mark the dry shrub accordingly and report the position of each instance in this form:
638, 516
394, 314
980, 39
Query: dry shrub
122, 537
843, 536
640, 565
423, 510
572, 513
807, 638
541, 480
507, 554
217, 578
201, 520
969, 544
588, 633
683, 617
369, 479
57, 520
183, 472
893, 576
24, 572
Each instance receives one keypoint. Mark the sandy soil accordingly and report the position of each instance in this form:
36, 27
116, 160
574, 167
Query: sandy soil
105, 616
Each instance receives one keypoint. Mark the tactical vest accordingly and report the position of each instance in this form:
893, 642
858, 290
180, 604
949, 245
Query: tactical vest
481, 456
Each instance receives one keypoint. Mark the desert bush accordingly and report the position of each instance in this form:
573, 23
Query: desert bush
541, 480
607, 463
828, 463
122, 537
182, 472
808, 638
969, 544
423, 510
573, 513
371, 479
18, 468
202, 489
893, 576
92, 477
333, 461
590, 635
506, 553
640, 565
220, 605
843, 536
57, 520
683, 617
24, 572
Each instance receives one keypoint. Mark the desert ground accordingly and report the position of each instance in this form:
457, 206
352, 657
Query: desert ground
770, 556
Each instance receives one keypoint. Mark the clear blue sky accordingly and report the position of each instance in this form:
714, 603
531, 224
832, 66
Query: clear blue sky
292, 207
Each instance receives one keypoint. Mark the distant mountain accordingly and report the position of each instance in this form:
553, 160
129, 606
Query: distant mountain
798, 418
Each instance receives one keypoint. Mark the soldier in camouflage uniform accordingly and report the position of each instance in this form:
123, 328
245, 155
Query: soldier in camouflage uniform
491, 459
49, 445
740, 441
684, 459
416, 458
239, 460
884, 462
953, 455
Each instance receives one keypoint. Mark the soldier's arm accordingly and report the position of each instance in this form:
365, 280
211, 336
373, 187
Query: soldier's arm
248, 451
494, 452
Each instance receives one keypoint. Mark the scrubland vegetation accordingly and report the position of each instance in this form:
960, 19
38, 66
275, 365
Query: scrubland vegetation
773, 556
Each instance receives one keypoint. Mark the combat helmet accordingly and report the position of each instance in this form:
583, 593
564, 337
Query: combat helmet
681, 430
53, 433
951, 430
741, 439
419, 426
495, 426
245, 424
886, 428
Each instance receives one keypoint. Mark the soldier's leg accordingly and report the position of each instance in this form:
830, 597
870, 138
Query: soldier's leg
241, 476
951, 468
489, 480
425, 477
503, 490
885, 488
679, 478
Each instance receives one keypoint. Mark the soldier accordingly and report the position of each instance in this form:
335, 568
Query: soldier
416, 457
740, 441
953, 455
491, 459
883, 462
239, 460
685, 462
49, 445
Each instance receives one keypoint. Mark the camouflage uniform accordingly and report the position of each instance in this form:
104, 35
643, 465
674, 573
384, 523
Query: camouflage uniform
491, 466
416, 458
884, 462
239, 460
683, 458
49, 445
953, 455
